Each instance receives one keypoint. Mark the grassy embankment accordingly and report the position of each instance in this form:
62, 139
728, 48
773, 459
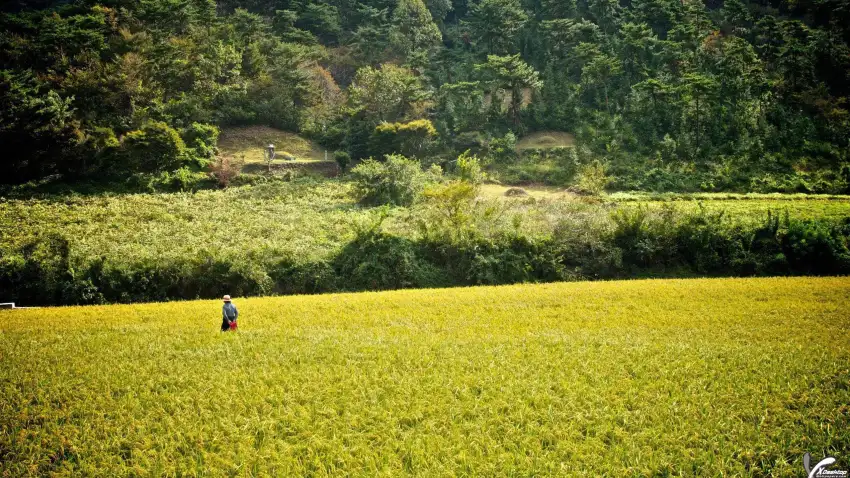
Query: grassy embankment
248, 144
734, 377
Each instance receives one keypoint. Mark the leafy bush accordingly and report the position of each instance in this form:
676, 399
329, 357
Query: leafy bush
468, 168
102, 147
295, 237
378, 261
155, 148
224, 170
202, 142
647, 238
449, 214
813, 247
414, 139
183, 179
397, 180
705, 242
343, 159
502, 150
512, 260
592, 178
585, 243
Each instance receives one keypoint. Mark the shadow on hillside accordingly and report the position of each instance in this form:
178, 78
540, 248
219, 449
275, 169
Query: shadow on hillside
328, 169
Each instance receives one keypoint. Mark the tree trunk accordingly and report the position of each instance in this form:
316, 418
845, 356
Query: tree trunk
698, 139
516, 104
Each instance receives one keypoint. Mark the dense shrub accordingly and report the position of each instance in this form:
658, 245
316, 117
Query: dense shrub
343, 159
39, 272
502, 150
413, 139
511, 260
449, 213
224, 170
468, 168
397, 180
585, 243
379, 261
155, 148
304, 277
813, 247
646, 237
201, 142
592, 178
705, 243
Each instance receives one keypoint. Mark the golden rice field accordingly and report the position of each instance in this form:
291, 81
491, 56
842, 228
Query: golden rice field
719, 377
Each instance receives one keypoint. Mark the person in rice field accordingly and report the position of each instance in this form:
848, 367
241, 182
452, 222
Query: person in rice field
229, 314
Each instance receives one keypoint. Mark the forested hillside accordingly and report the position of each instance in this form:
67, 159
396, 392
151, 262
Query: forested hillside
660, 94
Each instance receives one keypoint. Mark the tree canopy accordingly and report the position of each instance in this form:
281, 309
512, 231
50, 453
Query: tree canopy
738, 93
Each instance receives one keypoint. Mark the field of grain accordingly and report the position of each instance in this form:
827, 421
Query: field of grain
723, 377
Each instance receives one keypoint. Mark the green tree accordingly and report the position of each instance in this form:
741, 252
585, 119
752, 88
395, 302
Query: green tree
283, 25
439, 9
701, 91
413, 31
37, 125
371, 38
461, 106
495, 25
563, 35
321, 19
796, 56
660, 15
600, 73
389, 93
412, 139
511, 74
768, 38
639, 50
606, 13
555, 9
737, 16
654, 108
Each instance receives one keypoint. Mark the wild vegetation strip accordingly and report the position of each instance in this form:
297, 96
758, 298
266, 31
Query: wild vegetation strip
735, 377
309, 236
305, 217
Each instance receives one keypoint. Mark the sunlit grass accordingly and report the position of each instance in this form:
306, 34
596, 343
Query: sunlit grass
752, 207
249, 143
546, 140
734, 377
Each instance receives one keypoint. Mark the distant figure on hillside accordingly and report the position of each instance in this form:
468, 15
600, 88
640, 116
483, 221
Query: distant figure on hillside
229, 314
